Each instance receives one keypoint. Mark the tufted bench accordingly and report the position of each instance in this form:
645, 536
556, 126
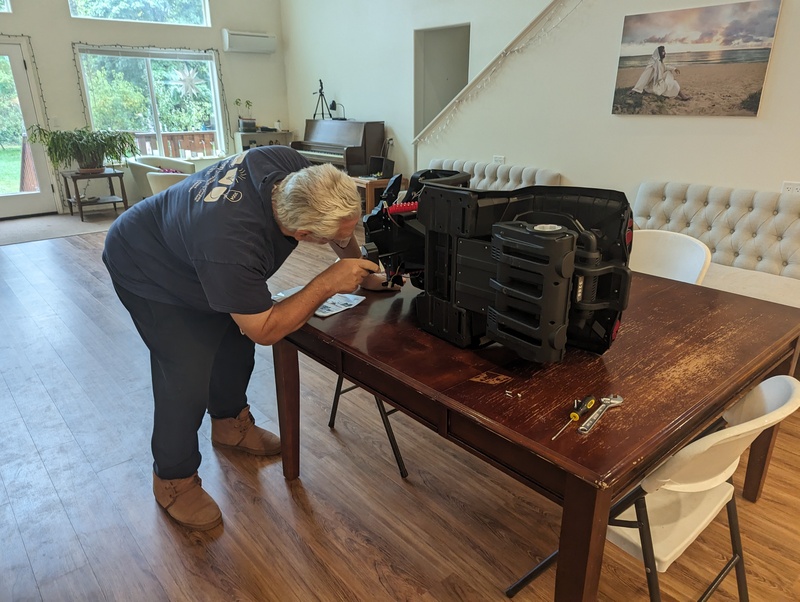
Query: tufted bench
499, 176
754, 236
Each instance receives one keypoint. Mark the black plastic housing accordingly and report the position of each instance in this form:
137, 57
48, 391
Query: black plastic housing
536, 269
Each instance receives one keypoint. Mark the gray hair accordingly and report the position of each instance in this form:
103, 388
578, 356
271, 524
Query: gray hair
317, 199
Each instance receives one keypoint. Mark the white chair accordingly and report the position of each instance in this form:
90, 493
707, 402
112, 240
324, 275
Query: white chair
160, 181
141, 166
684, 495
673, 505
670, 255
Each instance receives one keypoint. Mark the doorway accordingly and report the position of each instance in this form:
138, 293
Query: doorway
441, 70
25, 186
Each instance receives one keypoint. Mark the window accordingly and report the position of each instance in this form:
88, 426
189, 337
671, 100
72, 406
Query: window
176, 12
5, 7
169, 99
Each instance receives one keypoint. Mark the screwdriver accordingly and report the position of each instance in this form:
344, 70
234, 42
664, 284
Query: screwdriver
580, 407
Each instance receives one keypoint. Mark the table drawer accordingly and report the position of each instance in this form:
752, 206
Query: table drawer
400, 395
529, 468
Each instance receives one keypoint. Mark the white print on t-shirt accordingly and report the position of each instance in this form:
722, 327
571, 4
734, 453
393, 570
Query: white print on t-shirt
227, 192
229, 178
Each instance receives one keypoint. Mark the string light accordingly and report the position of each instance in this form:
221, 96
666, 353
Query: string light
34, 81
540, 30
34, 71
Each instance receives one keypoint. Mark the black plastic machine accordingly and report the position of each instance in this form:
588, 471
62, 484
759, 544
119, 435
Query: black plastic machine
535, 269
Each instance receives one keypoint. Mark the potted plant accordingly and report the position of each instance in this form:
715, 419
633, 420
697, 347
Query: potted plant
84, 146
246, 122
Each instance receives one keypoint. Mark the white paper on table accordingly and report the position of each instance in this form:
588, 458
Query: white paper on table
339, 302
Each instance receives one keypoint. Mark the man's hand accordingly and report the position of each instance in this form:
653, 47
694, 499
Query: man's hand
265, 328
377, 282
346, 275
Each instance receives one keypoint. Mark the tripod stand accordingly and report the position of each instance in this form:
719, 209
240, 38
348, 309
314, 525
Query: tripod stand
322, 104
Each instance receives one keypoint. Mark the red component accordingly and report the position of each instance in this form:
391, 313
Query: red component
403, 207
615, 330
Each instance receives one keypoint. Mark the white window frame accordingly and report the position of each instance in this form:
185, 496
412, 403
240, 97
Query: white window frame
160, 53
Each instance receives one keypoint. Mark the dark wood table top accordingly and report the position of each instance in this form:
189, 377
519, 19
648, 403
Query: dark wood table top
682, 355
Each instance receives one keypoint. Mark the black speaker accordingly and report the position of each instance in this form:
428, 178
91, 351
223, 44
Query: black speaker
382, 166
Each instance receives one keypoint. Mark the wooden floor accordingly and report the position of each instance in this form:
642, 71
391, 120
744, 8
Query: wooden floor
78, 520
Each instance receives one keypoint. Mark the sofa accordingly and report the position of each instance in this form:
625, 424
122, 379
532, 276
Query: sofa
754, 236
499, 176
159, 181
141, 166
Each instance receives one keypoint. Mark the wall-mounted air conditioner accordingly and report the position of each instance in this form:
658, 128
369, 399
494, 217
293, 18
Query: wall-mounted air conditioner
242, 41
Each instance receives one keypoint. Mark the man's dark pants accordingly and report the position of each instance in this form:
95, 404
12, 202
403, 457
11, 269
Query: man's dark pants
198, 361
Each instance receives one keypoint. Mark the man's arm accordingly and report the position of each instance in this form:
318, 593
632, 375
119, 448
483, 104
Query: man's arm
290, 314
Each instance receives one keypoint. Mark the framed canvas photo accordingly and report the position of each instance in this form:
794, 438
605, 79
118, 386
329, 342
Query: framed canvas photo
708, 61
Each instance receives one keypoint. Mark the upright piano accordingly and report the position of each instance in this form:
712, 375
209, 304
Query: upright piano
346, 144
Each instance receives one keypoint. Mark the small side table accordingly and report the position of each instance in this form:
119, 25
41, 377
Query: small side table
372, 188
108, 174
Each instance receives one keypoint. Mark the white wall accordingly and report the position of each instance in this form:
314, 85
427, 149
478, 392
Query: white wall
549, 106
363, 50
52, 32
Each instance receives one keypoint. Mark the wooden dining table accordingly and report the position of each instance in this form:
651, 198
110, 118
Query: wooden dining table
683, 354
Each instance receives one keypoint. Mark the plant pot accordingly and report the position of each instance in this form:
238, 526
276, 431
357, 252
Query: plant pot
90, 149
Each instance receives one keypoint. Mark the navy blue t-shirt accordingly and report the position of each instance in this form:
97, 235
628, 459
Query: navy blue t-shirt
209, 242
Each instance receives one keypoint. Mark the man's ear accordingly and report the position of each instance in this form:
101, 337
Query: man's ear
302, 234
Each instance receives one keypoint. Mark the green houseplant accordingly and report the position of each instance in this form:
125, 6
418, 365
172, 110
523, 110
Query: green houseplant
88, 148
246, 122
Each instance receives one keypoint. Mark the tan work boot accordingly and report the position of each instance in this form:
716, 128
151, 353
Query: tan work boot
242, 434
186, 502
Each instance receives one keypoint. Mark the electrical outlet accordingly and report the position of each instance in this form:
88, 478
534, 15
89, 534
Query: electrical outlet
390, 142
498, 159
791, 187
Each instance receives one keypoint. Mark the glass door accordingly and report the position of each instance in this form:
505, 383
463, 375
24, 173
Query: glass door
25, 187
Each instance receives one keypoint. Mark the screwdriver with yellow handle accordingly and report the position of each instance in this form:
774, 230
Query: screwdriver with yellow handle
579, 408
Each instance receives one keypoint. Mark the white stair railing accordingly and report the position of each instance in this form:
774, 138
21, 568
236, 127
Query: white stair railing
547, 21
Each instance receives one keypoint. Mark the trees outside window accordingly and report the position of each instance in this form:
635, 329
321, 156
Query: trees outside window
155, 95
12, 127
177, 12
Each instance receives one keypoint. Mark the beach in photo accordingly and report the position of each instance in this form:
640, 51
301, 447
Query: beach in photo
713, 89
705, 61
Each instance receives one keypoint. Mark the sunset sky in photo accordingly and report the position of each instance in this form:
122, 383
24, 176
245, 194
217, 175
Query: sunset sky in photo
725, 27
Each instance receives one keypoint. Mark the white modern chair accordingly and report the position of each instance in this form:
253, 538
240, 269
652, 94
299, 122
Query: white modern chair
673, 505
684, 495
141, 166
670, 255
160, 181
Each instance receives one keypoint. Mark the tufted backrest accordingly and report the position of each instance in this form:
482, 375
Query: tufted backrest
755, 230
499, 176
